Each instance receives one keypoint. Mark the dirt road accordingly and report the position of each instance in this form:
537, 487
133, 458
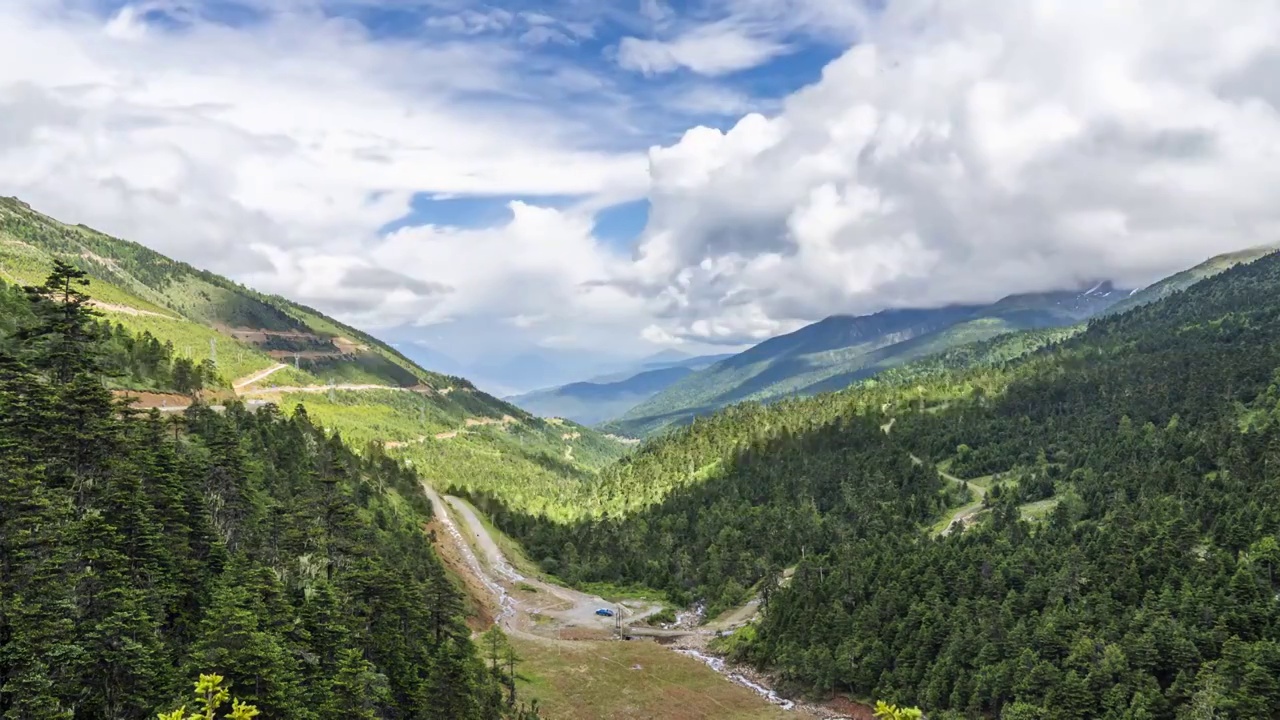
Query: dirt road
528, 605
321, 389
126, 310
260, 375
534, 609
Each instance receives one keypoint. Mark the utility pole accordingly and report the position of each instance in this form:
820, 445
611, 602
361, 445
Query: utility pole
213, 351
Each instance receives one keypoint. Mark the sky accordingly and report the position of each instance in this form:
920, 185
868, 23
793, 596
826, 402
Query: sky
595, 179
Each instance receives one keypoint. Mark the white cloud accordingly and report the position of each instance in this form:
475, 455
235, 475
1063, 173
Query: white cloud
656, 11
540, 268
275, 151
656, 335
473, 22
964, 149
703, 100
969, 149
711, 50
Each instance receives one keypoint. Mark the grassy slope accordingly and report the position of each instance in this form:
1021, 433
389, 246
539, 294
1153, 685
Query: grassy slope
24, 263
202, 304
190, 308
539, 466
589, 680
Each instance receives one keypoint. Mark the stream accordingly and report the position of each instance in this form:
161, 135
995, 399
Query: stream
719, 665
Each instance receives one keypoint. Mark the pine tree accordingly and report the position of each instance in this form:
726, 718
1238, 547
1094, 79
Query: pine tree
238, 644
358, 691
37, 643
61, 338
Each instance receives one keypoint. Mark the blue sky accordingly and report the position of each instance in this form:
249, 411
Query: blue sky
584, 37
564, 38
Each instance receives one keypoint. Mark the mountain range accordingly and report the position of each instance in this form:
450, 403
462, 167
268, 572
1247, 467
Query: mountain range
1055, 505
842, 349
604, 398
1071, 522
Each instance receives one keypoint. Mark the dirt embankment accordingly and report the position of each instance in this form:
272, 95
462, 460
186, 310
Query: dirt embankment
473, 422
126, 310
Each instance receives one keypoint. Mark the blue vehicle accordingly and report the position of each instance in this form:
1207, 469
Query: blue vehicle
604, 612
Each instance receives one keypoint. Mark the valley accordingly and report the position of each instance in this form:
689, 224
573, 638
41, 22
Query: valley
1066, 519
553, 621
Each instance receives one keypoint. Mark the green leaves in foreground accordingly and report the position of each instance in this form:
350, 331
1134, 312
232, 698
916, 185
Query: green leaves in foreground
212, 693
886, 711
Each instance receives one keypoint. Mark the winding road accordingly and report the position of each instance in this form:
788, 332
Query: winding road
538, 610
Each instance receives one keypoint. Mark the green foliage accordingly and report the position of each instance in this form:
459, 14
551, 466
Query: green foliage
249, 546
212, 693
192, 340
129, 360
887, 711
665, 616
1148, 588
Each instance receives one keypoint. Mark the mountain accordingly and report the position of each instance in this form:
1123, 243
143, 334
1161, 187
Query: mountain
205, 316
429, 357
609, 396
662, 357
1185, 279
660, 361
1075, 522
841, 349
263, 553
267, 349
536, 368
591, 403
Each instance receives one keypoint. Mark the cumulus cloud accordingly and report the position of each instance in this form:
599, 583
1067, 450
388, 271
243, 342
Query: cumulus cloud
541, 267
960, 151
275, 151
967, 149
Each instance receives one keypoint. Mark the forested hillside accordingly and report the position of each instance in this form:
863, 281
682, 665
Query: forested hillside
175, 328
147, 291
1122, 561
137, 361
138, 552
833, 353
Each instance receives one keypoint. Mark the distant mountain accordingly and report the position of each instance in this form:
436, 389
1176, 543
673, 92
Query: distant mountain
661, 361
841, 349
432, 359
535, 368
591, 403
670, 355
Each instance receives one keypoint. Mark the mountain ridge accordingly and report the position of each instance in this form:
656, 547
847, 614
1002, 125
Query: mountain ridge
839, 349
